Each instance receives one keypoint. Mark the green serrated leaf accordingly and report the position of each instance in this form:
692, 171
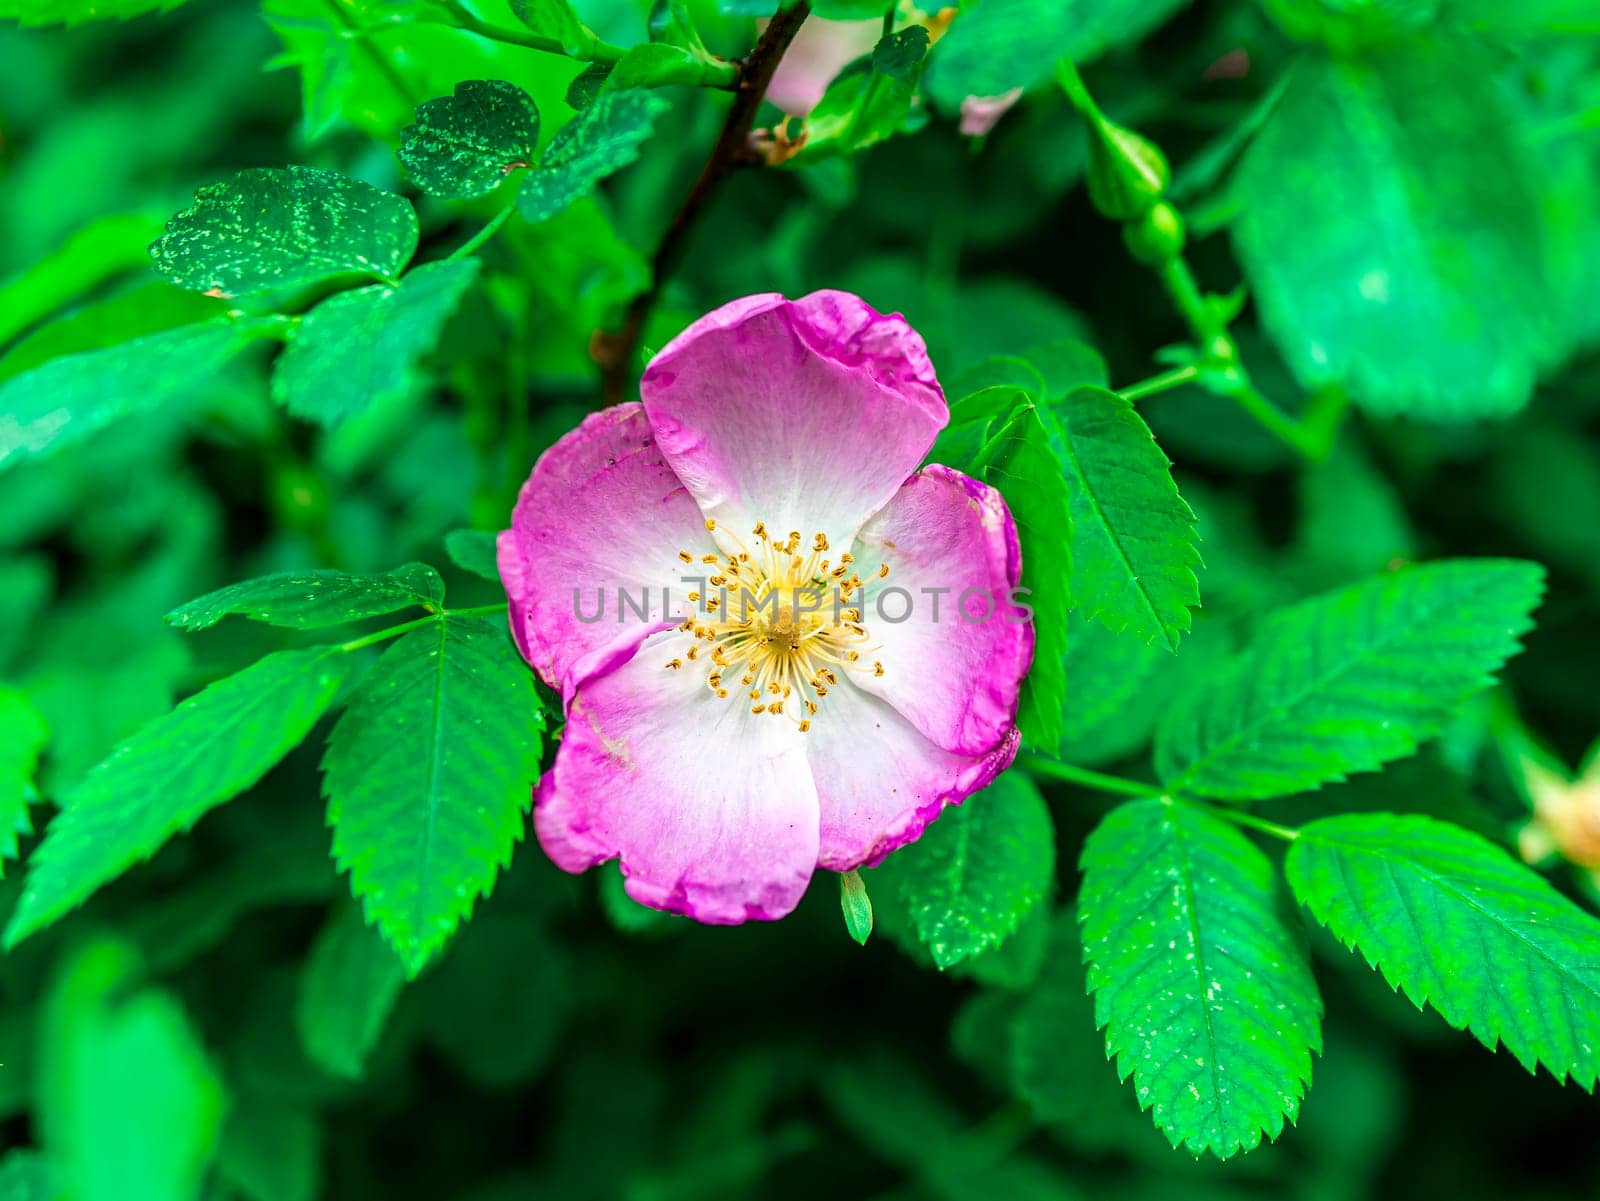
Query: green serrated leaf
1022, 457
310, 600
474, 551
464, 145
23, 734
429, 778
1399, 250
361, 348
1456, 923
600, 140
65, 400
282, 227
129, 1105
170, 774
972, 877
348, 988
1203, 988
1349, 680
1133, 537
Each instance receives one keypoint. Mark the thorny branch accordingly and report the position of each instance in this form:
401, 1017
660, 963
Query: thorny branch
615, 350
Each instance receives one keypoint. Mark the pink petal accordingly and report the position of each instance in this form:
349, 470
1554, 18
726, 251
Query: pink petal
952, 671
600, 511
880, 781
979, 114
814, 59
806, 415
710, 808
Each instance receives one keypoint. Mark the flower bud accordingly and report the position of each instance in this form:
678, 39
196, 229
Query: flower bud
1127, 174
1157, 236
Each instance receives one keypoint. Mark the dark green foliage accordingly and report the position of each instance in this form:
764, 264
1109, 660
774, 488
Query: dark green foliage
1273, 324
271, 228
464, 145
424, 824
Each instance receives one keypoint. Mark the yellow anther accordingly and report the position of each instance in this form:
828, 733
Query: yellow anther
711, 524
760, 532
686, 556
708, 558
877, 669
758, 708
883, 571
820, 543
694, 652
805, 726
847, 558
675, 664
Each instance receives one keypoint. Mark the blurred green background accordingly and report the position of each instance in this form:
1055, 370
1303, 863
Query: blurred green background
219, 1024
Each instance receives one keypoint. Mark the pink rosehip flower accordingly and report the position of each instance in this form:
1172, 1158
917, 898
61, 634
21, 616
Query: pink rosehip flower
830, 651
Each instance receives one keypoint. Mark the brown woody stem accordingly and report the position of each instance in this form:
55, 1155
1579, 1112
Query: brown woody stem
615, 350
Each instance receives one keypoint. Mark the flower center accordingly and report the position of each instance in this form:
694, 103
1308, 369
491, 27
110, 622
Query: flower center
778, 625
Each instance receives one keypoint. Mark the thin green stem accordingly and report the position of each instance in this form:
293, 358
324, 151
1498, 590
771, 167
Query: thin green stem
1041, 765
384, 635
474, 243
591, 50
405, 627
476, 611
1208, 321
1216, 341
1270, 417
1250, 821
1072, 84
1185, 292
1157, 384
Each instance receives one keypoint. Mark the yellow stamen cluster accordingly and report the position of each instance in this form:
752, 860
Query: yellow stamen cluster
781, 625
